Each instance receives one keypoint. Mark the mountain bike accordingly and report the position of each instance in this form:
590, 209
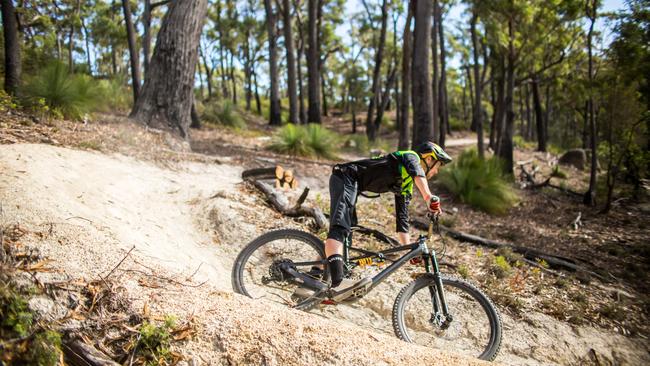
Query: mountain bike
433, 310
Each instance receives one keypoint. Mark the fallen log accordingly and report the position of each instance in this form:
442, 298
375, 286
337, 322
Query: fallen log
528, 253
262, 173
78, 353
531, 183
281, 204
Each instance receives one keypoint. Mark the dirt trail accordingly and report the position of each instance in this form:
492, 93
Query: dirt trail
93, 208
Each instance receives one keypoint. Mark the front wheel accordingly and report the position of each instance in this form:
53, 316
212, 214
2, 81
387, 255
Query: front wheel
474, 328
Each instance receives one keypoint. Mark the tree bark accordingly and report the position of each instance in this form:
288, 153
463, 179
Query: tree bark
248, 70
71, 39
590, 195
166, 98
323, 88
478, 115
376, 74
500, 107
313, 61
233, 79
208, 72
435, 87
275, 117
12, 47
87, 42
539, 115
421, 89
291, 62
258, 103
194, 116
442, 100
133, 52
506, 146
146, 38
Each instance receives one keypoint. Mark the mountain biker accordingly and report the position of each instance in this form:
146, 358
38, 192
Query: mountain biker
396, 172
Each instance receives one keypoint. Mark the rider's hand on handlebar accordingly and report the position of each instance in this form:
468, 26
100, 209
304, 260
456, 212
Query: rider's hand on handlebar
434, 205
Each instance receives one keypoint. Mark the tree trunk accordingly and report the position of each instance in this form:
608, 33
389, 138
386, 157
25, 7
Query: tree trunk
442, 100
313, 60
146, 38
506, 146
291, 62
71, 40
435, 87
539, 115
133, 52
302, 112
87, 42
323, 87
275, 117
222, 57
233, 79
165, 100
590, 195
478, 115
12, 47
248, 70
529, 119
257, 95
385, 98
500, 107
196, 120
208, 72
421, 89
376, 74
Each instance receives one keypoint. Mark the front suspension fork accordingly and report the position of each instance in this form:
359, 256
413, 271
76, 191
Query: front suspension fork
440, 312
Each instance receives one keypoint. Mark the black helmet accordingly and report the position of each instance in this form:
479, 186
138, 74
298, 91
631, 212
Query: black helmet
429, 148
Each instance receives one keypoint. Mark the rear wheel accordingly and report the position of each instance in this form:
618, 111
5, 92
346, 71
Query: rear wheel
257, 272
475, 326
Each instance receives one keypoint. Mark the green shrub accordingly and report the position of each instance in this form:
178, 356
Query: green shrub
45, 349
223, 113
501, 268
14, 312
463, 271
479, 183
310, 140
155, 341
115, 95
66, 95
290, 139
321, 141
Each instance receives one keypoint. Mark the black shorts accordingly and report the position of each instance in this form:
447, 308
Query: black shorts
343, 198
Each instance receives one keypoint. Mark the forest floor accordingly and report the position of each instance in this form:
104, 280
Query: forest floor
84, 194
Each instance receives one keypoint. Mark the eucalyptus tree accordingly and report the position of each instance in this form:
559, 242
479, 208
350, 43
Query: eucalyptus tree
275, 117
313, 61
287, 26
133, 52
376, 84
11, 47
421, 88
167, 95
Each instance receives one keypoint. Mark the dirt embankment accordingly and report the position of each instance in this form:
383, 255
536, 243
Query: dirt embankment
86, 210
188, 220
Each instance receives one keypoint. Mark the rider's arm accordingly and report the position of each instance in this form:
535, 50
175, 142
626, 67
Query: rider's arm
423, 187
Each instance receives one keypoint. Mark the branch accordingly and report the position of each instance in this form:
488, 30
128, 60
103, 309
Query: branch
160, 3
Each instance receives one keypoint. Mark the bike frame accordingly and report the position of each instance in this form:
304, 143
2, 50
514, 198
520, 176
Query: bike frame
415, 249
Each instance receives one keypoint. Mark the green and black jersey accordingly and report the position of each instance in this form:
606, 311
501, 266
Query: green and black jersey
388, 173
